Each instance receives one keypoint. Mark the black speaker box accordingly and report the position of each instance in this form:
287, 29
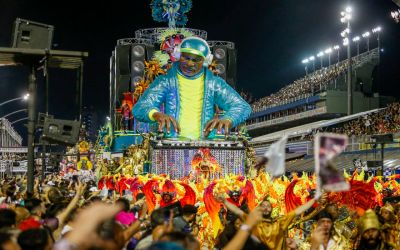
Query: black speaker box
225, 59
129, 66
374, 164
386, 138
65, 132
231, 76
122, 59
32, 35
221, 59
139, 53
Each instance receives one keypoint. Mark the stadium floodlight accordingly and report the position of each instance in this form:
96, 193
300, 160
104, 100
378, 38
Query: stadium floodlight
345, 41
346, 15
320, 55
305, 61
377, 29
328, 51
357, 40
396, 15
346, 19
366, 34
312, 59
337, 48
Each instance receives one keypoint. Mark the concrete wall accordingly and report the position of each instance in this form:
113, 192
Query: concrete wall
336, 102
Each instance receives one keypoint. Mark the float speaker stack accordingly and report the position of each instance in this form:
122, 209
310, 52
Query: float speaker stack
122, 70
139, 53
129, 66
225, 59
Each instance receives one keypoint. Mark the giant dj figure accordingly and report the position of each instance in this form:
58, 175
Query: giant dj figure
190, 92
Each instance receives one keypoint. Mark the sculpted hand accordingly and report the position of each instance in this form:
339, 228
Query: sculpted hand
164, 120
218, 124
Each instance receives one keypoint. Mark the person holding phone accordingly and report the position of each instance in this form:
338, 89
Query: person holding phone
324, 236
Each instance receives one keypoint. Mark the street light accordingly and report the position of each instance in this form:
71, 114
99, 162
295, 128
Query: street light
320, 55
366, 35
24, 97
15, 112
337, 48
345, 19
329, 51
357, 40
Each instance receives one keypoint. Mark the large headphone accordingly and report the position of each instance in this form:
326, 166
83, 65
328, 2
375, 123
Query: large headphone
207, 60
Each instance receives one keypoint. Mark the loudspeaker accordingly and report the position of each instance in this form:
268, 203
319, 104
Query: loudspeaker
122, 70
139, 53
129, 66
231, 77
32, 35
64, 132
225, 59
41, 118
386, 138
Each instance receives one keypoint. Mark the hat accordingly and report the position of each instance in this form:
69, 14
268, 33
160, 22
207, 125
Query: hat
189, 209
196, 46
369, 221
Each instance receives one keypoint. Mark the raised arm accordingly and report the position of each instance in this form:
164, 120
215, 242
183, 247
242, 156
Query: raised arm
231, 207
244, 232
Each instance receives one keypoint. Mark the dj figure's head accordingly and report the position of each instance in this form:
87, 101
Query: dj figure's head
193, 53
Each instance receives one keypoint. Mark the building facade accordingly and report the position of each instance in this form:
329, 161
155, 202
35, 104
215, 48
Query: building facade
8, 136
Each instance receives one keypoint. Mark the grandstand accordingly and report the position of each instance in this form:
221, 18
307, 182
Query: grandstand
361, 129
318, 96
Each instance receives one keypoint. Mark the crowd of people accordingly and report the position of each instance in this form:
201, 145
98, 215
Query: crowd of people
384, 121
302, 88
66, 214
315, 82
381, 122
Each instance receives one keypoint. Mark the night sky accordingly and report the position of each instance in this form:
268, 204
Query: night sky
272, 37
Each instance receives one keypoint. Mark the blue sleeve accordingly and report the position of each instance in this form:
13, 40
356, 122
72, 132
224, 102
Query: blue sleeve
236, 109
151, 99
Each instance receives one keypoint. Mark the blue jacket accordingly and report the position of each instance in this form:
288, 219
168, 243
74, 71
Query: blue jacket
164, 90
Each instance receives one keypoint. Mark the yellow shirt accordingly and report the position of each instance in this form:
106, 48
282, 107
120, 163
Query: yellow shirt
191, 94
272, 232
